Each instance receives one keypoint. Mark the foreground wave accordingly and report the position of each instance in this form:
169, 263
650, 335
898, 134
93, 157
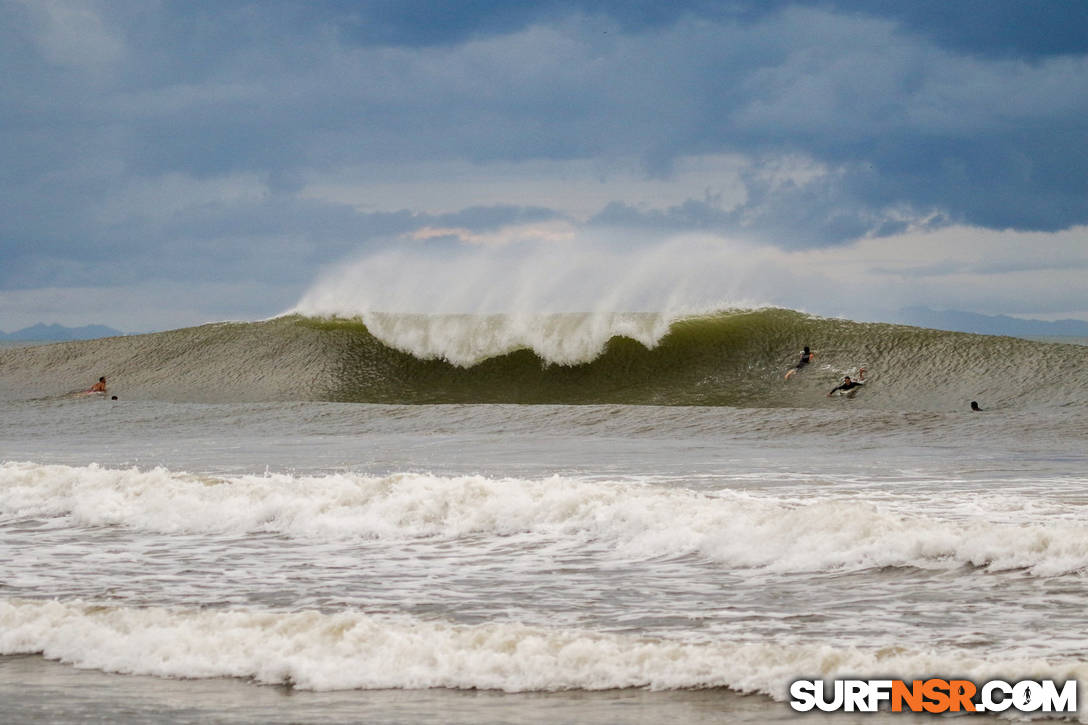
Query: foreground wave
728, 358
630, 521
355, 650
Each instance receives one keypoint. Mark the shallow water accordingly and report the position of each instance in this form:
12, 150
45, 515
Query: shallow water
571, 563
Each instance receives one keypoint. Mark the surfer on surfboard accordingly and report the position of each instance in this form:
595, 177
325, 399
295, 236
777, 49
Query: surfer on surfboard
806, 357
99, 387
848, 384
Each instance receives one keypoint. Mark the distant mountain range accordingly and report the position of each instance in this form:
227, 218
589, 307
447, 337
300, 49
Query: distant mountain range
957, 321
58, 333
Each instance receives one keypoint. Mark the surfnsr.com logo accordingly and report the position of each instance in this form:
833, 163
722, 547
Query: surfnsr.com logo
934, 695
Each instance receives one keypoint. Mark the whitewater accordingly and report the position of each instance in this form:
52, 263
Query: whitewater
576, 517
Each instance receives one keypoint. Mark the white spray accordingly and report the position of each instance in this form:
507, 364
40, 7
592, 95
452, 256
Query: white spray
562, 299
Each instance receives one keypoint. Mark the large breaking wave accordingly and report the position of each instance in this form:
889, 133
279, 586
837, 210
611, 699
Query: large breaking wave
733, 357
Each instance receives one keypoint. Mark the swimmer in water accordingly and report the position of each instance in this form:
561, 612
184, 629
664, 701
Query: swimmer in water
806, 357
974, 406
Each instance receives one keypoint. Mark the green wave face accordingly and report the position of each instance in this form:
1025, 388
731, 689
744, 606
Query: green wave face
734, 358
703, 361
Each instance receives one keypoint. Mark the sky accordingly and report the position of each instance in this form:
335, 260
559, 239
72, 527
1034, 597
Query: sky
169, 163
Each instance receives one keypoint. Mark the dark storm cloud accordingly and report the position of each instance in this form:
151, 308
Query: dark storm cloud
275, 239
1010, 29
944, 131
976, 26
966, 112
797, 219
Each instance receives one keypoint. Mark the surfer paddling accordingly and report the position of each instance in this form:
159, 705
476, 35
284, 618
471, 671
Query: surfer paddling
99, 387
806, 357
848, 384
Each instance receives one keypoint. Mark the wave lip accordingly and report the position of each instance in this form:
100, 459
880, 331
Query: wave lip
354, 650
630, 520
557, 339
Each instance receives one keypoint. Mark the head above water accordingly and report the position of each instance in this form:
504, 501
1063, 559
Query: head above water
806, 348
102, 379
974, 406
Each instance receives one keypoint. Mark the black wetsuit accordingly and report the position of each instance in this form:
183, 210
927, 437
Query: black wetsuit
848, 386
806, 358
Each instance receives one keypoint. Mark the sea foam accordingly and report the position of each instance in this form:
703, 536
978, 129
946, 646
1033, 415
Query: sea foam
741, 529
355, 650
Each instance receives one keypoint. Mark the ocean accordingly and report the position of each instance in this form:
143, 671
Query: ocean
577, 518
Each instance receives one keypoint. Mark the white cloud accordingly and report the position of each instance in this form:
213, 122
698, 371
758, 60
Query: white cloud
71, 33
966, 268
550, 231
